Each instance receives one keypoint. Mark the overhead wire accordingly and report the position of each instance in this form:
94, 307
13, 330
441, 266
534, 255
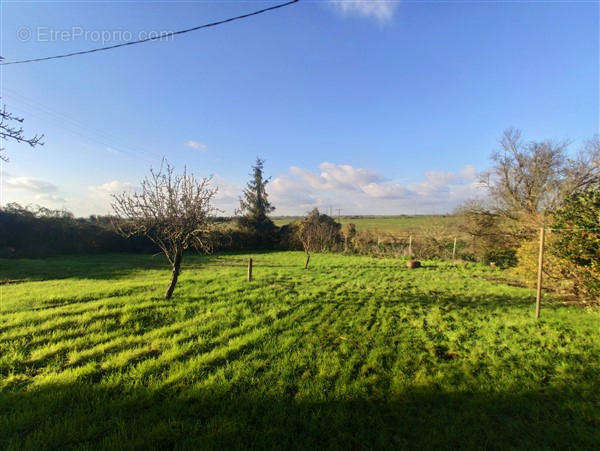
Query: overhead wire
75, 129
108, 139
160, 36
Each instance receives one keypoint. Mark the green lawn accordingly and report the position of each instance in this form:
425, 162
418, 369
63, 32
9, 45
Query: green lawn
354, 352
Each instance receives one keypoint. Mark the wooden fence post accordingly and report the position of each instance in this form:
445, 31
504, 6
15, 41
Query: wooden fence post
249, 269
454, 250
410, 246
538, 298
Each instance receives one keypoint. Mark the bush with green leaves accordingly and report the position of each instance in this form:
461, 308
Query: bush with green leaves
36, 232
576, 227
502, 257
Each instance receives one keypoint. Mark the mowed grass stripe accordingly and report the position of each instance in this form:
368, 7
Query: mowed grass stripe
354, 352
188, 370
118, 343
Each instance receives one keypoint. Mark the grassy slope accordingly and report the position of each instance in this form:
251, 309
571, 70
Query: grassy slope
394, 224
354, 352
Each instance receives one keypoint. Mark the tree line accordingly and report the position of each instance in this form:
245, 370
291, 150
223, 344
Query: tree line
531, 184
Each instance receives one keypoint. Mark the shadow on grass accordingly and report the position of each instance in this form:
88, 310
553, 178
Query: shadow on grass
115, 266
88, 415
105, 266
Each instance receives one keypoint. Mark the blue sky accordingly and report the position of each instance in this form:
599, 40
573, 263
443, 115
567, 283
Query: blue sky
372, 107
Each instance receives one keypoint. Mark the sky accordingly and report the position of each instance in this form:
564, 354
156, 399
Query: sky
370, 107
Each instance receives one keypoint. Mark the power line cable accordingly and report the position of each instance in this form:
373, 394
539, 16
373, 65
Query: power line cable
103, 135
81, 132
153, 38
67, 128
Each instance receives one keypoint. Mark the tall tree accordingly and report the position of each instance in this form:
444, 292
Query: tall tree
10, 128
528, 180
255, 205
172, 210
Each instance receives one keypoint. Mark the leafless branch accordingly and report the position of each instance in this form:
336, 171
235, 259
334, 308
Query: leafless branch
9, 130
172, 210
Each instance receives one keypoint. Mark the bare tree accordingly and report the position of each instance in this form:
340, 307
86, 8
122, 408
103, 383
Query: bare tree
583, 172
10, 130
527, 180
317, 232
172, 210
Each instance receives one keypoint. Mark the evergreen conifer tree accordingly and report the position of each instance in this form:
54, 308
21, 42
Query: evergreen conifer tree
255, 207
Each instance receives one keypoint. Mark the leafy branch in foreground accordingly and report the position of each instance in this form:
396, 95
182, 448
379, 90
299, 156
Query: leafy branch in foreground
172, 210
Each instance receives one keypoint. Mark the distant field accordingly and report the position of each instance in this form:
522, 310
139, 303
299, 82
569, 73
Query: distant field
392, 224
353, 353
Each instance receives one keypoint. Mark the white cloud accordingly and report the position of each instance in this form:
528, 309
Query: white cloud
469, 172
50, 199
112, 187
386, 190
380, 10
334, 176
31, 191
30, 184
97, 199
227, 197
195, 145
354, 190
292, 193
363, 191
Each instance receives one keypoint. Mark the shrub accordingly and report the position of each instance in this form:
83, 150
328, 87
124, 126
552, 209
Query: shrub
490, 235
348, 232
576, 227
261, 232
431, 242
287, 237
527, 266
363, 242
502, 257
318, 232
40, 232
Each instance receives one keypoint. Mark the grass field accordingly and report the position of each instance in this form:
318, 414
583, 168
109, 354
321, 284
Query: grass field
392, 224
355, 352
